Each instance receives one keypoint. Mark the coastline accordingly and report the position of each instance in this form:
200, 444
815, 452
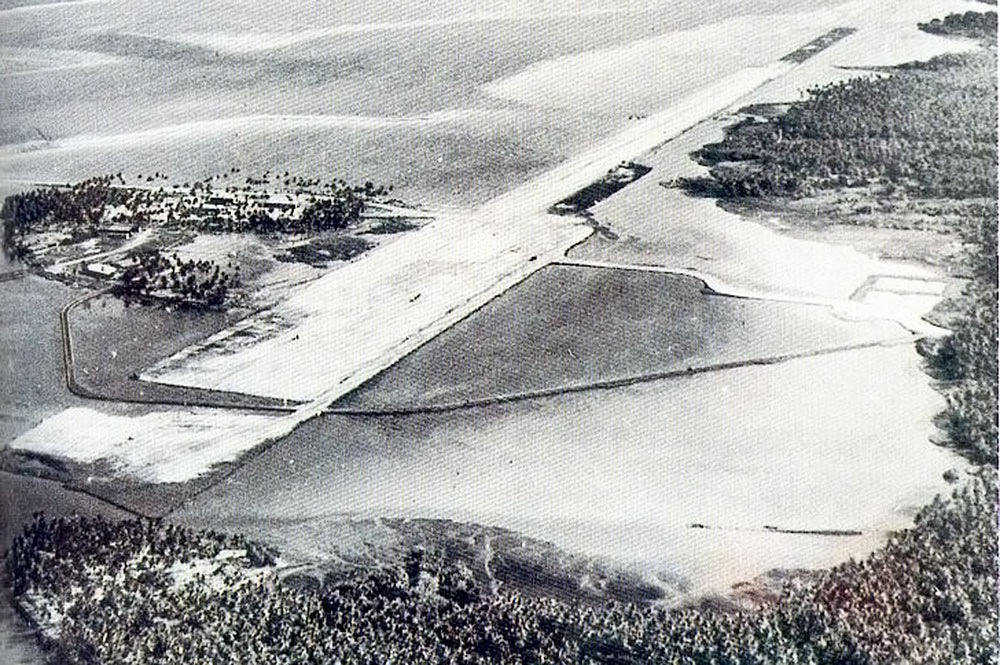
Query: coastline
263, 364
900, 292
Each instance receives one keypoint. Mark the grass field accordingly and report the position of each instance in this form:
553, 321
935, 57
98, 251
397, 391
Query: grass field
113, 343
569, 326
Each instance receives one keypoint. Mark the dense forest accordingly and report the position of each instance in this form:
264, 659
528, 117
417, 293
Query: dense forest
79, 207
119, 593
927, 130
967, 359
975, 25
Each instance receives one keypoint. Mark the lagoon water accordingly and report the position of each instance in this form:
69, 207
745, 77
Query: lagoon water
426, 96
623, 473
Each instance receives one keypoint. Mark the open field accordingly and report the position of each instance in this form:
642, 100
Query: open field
154, 447
569, 326
643, 75
112, 342
792, 463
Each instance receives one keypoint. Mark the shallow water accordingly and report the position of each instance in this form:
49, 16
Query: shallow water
116, 68
623, 473
31, 363
17, 644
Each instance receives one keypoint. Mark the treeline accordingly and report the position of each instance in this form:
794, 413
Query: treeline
975, 25
925, 130
194, 283
321, 215
118, 593
332, 214
81, 208
79, 204
967, 359
78, 207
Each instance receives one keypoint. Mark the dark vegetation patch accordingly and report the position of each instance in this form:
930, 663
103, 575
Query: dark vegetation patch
393, 225
974, 25
321, 252
614, 180
967, 359
580, 326
492, 558
925, 131
170, 279
819, 44
110, 205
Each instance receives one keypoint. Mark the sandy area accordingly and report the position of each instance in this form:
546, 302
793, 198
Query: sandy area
158, 447
19, 61
643, 76
42, 6
587, 473
639, 76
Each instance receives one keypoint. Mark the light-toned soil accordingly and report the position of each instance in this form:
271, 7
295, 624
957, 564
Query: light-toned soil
155, 447
624, 473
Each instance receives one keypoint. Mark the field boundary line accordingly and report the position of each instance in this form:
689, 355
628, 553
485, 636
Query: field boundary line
610, 384
80, 390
